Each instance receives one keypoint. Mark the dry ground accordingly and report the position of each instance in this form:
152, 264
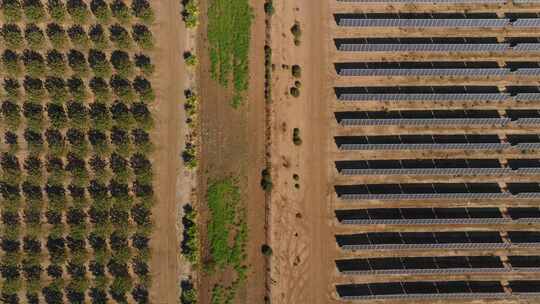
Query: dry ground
233, 146
301, 221
168, 138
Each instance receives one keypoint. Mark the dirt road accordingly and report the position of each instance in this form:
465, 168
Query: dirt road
168, 138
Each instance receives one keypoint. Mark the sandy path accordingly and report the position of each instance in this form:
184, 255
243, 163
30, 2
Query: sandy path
168, 138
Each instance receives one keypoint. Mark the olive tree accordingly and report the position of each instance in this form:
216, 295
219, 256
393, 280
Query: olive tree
34, 10
34, 37
56, 62
12, 35
142, 10
12, 10
78, 10
57, 35
57, 10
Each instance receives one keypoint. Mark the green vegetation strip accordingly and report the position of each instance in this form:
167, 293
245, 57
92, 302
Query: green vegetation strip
227, 235
229, 30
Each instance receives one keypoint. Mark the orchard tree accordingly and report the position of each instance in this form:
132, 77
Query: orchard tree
34, 10
120, 36
99, 63
12, 114
77, 62
120, 11
121, 114
122, 63
101, 10
77, 113
34, 37
56, 87
10, 61
142, 114
56, 62
98, 36
33, 167
57, 10
54, 138
144, 63
143, 36
12, 10
34, 89
12, 88
57, 115
100, 88
57, 35
142, 10
77, 88
79, 38
78, 10
34, 63
143, 87
12, 35
122, 88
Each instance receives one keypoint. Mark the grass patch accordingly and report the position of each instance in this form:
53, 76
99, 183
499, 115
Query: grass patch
229, 30
227, 236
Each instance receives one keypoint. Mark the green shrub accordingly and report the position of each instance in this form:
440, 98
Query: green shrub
296, 137
297, 32
269, 7
296, 71
191, 13
266, 250
295, 92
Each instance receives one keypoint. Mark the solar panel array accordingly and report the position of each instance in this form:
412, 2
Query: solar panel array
384, 207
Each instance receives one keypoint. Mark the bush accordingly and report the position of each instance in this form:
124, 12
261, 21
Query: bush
77, 62
57, 10
34, 63
99, 63
122, 63
295, 92
10, 61
191, 13
266, 250
190, 59
296, 71
296, 137
266, 180
56, 62
297, 32
269, 7
144, 63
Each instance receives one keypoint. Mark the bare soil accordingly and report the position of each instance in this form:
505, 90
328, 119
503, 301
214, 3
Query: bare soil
168, 139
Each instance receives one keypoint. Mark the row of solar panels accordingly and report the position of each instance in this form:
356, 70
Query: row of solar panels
450, 271
441, 296
439, 121
450, 246
443, 47
438, 1
440, 97
478, 72
453, 263
443, 289
477, 221
442, 171
474, 146
423, 196
422, 23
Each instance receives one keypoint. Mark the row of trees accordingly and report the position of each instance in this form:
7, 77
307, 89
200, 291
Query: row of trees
55, 35
60, 91
81, 63
78, 10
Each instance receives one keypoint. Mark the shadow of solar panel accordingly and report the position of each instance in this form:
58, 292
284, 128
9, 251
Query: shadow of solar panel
516, 188
523, 138
485, 262
486, 286
523, 163
524, 236
517, 213
522, 113
524, 286
524, 261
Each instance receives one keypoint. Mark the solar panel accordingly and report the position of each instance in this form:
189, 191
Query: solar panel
435, 97
427, 1
358, 22
434, 121
440, 47
527, 22
434, 72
